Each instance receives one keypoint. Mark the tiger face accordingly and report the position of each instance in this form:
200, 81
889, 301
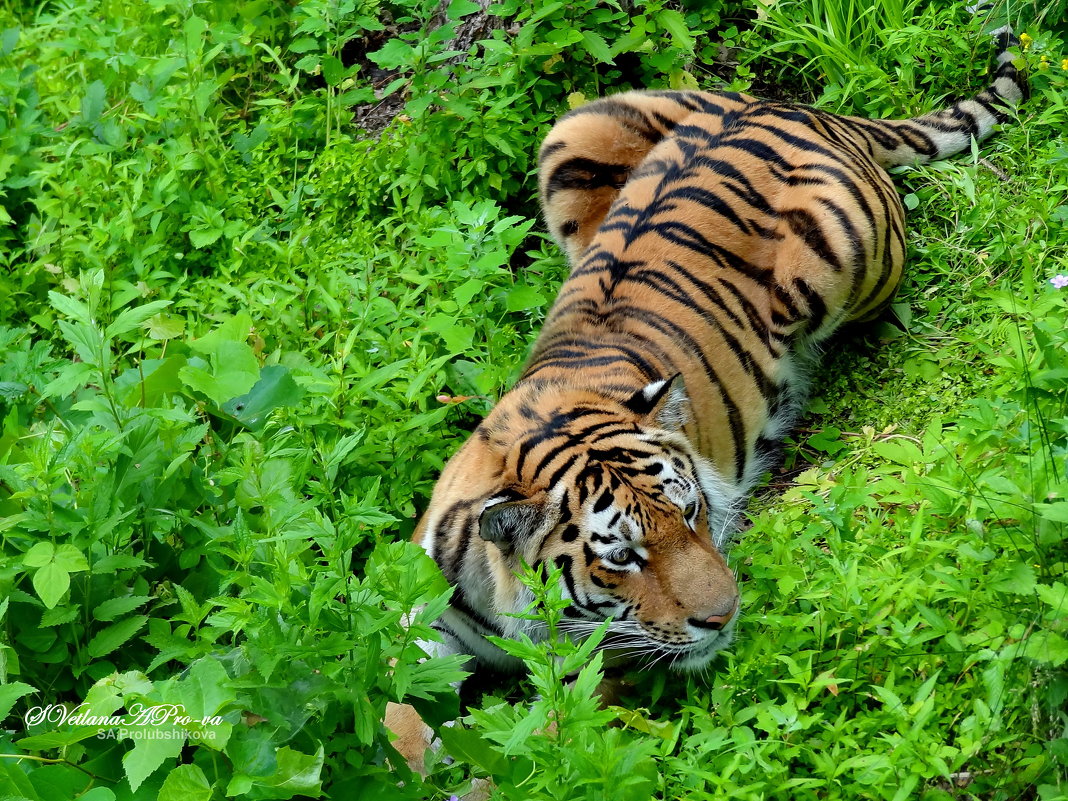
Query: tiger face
619, 501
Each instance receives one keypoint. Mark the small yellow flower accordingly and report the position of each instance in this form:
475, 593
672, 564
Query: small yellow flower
1025, 40
1064, 64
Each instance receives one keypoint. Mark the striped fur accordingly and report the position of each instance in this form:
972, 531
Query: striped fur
715, 241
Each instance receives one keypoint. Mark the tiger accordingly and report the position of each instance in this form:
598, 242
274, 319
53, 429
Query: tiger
715, 241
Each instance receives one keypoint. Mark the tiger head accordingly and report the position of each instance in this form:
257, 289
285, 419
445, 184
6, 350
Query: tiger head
615, 495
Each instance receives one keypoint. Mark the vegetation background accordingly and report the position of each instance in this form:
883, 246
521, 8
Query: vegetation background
265, 264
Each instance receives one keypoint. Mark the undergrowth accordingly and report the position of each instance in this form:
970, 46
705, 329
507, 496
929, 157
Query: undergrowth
239, 337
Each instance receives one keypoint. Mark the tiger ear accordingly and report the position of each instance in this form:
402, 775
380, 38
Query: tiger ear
665, 403
508, 524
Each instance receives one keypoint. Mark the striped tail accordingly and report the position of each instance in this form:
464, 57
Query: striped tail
943, 133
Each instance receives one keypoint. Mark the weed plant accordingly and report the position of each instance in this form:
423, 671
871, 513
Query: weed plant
239, 337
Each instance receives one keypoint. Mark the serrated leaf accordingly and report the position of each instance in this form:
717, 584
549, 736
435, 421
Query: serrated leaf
71, 307
59, 616
675, 24
115, 635
149, 753
1047, 647
1055, 595
10, 693
116, 607
597, 47
185, 783
51, 583
203, 237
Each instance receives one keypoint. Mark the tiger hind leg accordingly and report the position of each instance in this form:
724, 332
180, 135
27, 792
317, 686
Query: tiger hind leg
589, 154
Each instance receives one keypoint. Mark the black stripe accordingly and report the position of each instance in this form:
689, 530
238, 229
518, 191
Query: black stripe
584, 173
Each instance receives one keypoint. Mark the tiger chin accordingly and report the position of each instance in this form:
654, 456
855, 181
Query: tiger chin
716, 242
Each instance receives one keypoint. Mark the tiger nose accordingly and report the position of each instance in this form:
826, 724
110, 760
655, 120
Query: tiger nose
716, 622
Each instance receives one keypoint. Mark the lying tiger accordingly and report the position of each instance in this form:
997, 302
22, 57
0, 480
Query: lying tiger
716, 240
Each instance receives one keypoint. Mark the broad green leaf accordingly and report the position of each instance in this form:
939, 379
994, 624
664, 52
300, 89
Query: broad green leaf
203, 237
51, 583
394, 55
297, 774
522, 297
93, 102
205, 690
39, 555
461, 8
1019, 579
333, 70
165, 326
1047, 647
185, 783
115, 635
274, 389
70, 559
149, 753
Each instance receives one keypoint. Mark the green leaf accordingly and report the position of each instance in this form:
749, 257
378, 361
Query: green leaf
1056, 596
185, 783
675, 24
70, 307
93, 102
149, 753
395, 54
10, 693
165, 326
202, 237
1047, 647
333, 70
461, 8
39, 555
522, 297
206, 690
297, 774
70, 559
130, 319
1018, 580
1056, 512
596, 47
51, 583
115, 607
274, 389
115, 635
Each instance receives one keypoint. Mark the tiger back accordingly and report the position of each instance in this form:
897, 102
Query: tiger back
715, 241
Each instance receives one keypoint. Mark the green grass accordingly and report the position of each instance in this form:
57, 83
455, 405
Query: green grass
227, 318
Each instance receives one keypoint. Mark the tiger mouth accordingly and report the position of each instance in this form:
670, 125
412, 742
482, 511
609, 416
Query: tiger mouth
683, 656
